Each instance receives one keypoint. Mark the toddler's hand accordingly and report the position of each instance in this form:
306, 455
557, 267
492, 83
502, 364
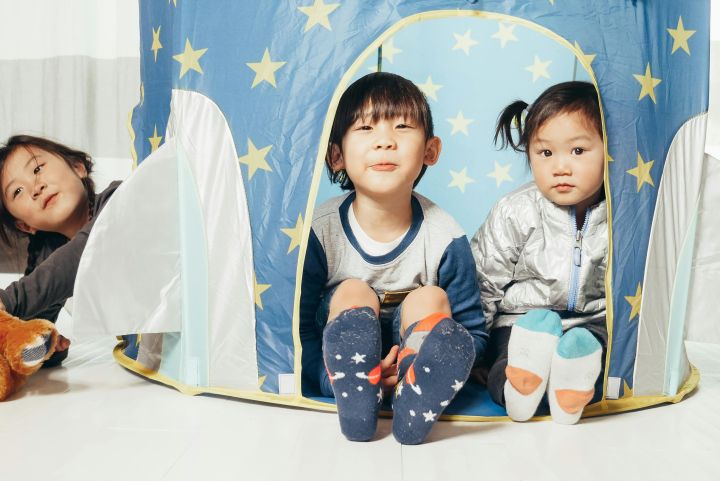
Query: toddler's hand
389, 369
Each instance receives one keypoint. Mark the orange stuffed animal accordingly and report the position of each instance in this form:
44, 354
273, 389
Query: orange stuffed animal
24, 346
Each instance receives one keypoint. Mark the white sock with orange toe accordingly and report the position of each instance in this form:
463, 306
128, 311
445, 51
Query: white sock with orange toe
575, 368
530, 351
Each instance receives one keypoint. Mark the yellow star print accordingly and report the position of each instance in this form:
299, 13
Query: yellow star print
295, 233
539, 68
255, 159
189, 59
265, 70
587, 58
318, 14
156, 45
259, 289
155, 140
634, 302
642, 172
389, 50
460, 124
680, 37
429, 88
464, 42
505, 34
460, 179
648, 84
501, 174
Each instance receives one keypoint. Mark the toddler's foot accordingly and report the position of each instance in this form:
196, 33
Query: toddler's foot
530, 350
435, 362
575, 368
351, 350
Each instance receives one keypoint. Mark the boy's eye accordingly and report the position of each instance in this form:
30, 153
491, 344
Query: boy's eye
403, 126
578, 150
363, 127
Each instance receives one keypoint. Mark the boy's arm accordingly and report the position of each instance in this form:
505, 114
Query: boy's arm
315, 271
456, 275
496, 252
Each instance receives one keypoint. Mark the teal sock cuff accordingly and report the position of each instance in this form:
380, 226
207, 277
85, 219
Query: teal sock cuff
577, 342
541, 320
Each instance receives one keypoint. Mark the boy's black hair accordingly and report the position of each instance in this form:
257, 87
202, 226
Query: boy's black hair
70, 156
385, 96
566, 97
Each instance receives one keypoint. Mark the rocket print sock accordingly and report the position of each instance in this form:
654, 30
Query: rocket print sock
351, 350
434, 362
575, 368
530, 350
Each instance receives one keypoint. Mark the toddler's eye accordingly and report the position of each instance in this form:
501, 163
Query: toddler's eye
545, 153
578, 150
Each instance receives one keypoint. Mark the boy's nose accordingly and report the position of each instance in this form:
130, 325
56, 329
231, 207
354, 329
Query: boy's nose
384, 142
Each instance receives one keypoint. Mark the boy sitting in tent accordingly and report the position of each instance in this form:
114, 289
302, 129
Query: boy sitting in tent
389, 295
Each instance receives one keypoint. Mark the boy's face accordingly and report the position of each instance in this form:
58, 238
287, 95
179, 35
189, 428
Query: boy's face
40, 190
385, 157
567, 157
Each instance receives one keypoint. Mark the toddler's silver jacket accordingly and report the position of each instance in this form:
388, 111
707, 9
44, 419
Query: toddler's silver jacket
529, 254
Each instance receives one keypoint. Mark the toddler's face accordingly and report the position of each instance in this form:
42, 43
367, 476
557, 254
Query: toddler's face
41, 191
385, 156
567, 158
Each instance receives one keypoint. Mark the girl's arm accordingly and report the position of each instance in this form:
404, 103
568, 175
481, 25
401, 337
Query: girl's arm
496, 251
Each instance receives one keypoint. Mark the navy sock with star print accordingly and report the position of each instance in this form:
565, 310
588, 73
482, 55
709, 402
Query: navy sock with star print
434, 363
351, 349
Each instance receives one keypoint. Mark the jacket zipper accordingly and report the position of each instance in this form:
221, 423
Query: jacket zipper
576, 257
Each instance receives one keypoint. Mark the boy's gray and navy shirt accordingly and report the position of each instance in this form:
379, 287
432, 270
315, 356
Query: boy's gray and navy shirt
44, 289
434, 252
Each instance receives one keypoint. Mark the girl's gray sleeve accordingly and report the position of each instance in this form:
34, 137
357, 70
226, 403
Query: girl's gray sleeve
494, 247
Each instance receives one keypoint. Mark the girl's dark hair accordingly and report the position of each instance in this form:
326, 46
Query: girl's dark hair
385, 96
566, 97
70, 156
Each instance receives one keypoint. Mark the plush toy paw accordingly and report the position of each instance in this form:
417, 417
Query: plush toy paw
24, 346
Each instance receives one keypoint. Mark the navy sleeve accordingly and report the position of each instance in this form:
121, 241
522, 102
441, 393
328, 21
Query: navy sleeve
456, 275
315, 272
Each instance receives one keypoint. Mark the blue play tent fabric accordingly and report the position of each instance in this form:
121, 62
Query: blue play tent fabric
274, 72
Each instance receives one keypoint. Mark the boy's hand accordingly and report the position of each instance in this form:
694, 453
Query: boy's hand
62, 343
389, 369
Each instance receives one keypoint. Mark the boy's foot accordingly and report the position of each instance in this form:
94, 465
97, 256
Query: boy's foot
530, 350
434, 363
351, 350
575, 367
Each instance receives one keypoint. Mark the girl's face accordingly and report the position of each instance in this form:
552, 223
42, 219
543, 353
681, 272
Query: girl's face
567, 158
42, 192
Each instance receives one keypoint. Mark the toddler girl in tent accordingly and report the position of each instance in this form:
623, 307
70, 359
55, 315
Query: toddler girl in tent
47, 194
541, 258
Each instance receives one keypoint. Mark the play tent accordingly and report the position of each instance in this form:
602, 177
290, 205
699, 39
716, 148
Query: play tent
204, 245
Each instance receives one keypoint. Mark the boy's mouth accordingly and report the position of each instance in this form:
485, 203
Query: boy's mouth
383, 166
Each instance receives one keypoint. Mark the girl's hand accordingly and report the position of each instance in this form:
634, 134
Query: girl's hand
62, 343
388, 367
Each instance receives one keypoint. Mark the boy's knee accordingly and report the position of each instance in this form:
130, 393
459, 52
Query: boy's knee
353, 293
422, 302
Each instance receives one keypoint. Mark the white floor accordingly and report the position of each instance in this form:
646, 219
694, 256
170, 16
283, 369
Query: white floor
93, 420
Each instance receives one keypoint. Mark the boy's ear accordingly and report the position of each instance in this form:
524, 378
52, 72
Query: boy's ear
336, 158
23, 227
432, 151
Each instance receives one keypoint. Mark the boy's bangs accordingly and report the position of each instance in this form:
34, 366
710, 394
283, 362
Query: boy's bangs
383, 105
